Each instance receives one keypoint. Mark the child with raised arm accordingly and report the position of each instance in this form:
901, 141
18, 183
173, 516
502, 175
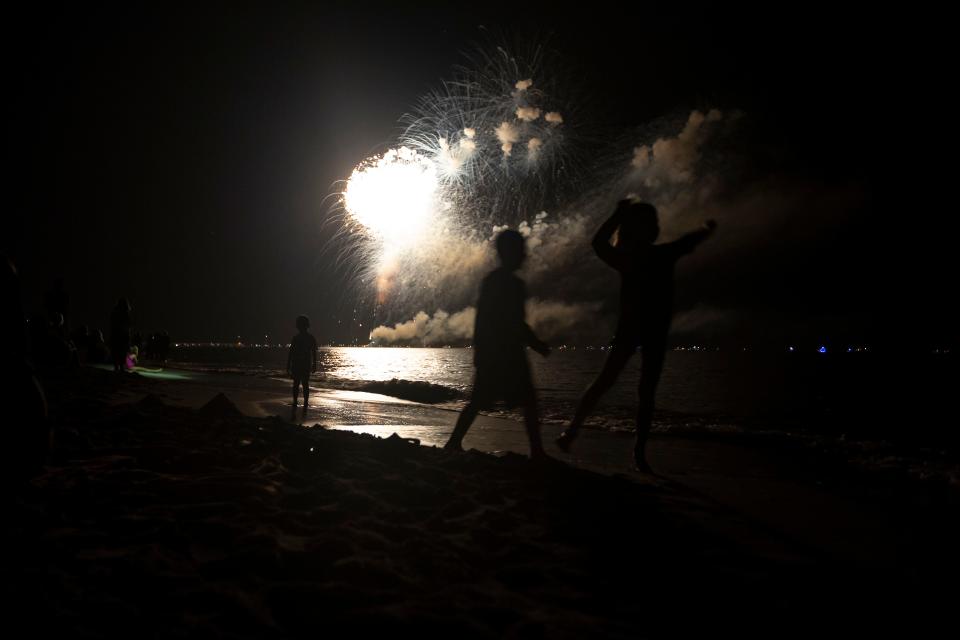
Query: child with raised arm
500, 338
302, 360
646, 308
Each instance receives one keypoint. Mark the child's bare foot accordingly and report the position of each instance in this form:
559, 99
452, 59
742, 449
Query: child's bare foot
640, 462
566, 439
453, 446
643, 467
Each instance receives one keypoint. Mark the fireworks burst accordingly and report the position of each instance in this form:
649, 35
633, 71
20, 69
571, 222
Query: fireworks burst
498, 145
394, 196
496, 131
488, 148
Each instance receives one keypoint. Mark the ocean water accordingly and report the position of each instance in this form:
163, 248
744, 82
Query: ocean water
868, 396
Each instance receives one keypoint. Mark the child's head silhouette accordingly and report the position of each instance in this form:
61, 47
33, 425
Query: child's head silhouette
639, 224
510, 248
303, 323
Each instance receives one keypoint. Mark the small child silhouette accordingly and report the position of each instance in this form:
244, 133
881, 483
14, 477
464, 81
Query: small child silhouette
646, 309
302, 360
500, 338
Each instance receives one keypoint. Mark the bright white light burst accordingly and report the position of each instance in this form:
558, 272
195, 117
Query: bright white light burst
394, 196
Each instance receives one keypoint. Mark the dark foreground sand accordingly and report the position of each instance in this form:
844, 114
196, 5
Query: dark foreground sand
161, 521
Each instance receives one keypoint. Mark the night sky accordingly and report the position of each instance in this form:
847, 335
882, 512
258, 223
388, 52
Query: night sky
180, 156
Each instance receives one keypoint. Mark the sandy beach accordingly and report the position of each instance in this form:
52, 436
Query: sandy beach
167, 510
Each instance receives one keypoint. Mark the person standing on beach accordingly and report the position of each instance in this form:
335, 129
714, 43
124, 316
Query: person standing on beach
302, 360
646, 309
500, 338
120, 334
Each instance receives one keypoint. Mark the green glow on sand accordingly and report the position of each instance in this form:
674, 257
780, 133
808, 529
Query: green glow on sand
153, 374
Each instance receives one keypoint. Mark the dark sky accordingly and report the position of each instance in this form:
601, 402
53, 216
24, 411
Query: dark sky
180, 156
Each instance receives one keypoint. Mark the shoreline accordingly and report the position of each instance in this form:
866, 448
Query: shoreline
928, 469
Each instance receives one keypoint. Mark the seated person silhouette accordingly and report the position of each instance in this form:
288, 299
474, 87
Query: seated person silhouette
500, 338
646, 308
302, 360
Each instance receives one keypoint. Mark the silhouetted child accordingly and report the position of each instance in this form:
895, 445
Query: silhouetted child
646, 308
302, 360
500, 338
132, 358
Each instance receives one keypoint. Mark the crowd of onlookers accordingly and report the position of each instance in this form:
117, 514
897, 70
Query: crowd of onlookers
53, 343
46, 344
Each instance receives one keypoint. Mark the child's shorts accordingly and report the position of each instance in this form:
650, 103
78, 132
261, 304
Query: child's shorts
511, 385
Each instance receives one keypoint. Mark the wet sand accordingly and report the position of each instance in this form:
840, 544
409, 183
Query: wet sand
162, 513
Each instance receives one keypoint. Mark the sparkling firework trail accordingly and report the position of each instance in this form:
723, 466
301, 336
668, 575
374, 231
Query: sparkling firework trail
496, 146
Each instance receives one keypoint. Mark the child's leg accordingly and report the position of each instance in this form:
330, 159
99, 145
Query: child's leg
531, 420
296, 390
463, 424
306, 392
616, 360
650, 369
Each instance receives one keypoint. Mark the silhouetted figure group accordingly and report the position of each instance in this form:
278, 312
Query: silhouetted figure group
626, 242
47, 347
54, 345
646, 308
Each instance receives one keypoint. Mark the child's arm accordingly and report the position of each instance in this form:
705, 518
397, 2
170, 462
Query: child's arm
690, 241
290, 359
601, 241
534, 342
314, 355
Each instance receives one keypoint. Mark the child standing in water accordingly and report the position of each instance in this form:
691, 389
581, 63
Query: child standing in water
500, 338
302, 360
646, 309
